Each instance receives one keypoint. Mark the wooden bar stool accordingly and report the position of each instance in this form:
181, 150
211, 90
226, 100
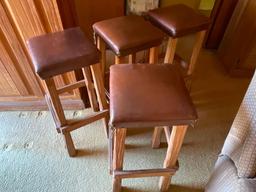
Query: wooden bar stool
127, 35
61, 52
148, 96
177, 21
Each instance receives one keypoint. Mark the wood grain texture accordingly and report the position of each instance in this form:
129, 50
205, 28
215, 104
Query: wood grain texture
19, 21
49, 15
7, 86
14, 58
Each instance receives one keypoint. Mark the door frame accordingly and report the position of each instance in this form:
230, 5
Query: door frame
220, 17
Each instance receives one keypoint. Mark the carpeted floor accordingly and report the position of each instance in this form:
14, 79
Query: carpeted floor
32, 156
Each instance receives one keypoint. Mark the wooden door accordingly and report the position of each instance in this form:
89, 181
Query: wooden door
20, 88
91, 11
237, 50
220, 17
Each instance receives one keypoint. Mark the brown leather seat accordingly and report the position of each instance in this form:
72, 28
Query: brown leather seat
60, 52
128, 34
144, 95
178, 20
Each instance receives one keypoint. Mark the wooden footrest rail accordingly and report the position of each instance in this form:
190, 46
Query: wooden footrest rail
72, 86
75, 124
144, 173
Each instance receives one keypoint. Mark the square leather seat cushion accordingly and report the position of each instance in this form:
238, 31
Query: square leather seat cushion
128, 34
178, 20
146, 95
56, 53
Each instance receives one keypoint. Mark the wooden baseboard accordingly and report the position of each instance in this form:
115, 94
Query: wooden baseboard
38, 105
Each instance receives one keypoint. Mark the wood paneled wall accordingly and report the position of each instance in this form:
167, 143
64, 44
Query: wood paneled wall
20, 20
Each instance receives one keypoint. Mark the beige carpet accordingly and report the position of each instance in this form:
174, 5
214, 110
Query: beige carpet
32, 156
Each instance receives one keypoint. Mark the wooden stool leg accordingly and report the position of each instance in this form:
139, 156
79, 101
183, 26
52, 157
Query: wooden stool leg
102, 47
51, 109
175, 143
100, 92
170, 51
153, 59
132, 58
153, 55
59, 114
167, 131
196, 50
82, 90
90, 88
156, 139
55, 101
110, 150
119, 60
70, 145
118, 156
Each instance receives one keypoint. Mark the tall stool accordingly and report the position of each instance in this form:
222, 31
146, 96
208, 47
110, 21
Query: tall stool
148, 96
61, 52
127, 35
177, 21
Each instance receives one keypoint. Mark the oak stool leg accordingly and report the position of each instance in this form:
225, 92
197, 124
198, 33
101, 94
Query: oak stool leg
153, 59
55, 101
70, 145
170, 51
119, 59
102, 47
100, 92
118, 156
59, 114
196, 50
174, 146
90, 88
156, 139
153, 55
132, 58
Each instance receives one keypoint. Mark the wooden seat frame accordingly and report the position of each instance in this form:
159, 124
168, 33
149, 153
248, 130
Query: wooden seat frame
96, 92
